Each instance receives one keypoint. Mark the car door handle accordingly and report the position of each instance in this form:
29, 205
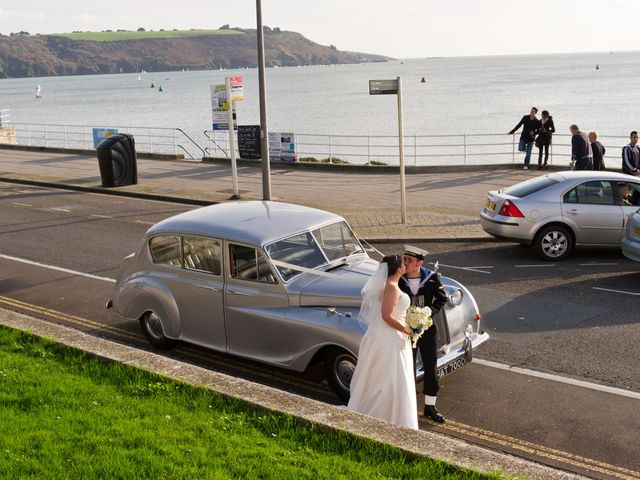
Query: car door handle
235, 292
215, 289
574, 211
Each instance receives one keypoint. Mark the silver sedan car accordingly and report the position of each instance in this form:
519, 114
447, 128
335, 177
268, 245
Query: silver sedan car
631, 242
559, 211
272, 282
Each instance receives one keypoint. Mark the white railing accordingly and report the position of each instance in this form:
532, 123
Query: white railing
4, 117
148, 139
461, 149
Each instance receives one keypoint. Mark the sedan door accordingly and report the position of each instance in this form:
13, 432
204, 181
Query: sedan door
591, 207
256, 307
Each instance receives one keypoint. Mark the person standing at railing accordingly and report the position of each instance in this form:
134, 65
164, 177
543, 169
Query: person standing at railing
598, 151
631, 156
543, 141
581, 154
530, 125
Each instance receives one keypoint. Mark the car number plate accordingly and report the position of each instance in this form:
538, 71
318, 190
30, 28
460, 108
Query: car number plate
490, 205
635, 232
452, 367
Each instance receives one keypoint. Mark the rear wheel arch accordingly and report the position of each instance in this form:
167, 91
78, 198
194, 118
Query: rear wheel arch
554, 229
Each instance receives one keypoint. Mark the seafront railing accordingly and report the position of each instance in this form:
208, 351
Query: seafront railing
419, 150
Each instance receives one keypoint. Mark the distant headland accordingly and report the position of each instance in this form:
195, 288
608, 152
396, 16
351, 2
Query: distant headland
121, 51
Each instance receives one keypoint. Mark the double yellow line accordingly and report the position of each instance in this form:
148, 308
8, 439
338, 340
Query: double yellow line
483, 436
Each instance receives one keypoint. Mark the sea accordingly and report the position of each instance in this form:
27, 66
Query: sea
459, 95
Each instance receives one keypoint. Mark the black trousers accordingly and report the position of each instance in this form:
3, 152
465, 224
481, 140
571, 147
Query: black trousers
428, 346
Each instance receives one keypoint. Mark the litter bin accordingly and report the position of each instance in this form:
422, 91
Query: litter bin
117, 160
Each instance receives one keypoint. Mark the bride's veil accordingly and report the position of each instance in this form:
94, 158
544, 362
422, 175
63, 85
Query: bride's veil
371, 309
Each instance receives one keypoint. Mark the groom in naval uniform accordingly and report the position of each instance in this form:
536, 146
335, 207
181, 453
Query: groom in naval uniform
425, 290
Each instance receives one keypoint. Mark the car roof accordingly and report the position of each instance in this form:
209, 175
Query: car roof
254, 222
590, 174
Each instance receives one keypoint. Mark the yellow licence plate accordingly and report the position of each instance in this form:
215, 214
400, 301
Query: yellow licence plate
635, 232
490, 205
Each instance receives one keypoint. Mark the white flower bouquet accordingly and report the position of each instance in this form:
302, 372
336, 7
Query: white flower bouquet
417, 321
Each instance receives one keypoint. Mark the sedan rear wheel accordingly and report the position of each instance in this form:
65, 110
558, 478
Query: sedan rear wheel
339, 366
151, 326
553, 242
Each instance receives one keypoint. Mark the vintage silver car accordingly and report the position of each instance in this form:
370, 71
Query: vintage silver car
558, 211
272, 282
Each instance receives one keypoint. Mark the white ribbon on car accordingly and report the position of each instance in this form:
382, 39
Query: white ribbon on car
298, 268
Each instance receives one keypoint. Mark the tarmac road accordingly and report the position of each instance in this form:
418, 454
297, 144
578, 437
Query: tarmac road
549, 317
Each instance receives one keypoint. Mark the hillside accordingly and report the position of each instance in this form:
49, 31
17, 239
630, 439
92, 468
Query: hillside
72, 54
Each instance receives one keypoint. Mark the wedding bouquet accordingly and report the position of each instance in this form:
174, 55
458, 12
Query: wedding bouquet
418, 320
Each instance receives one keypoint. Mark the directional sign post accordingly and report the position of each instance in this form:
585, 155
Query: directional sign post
394, 87
234, 92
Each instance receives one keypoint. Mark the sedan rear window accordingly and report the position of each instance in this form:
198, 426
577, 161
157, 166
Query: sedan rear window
529, 187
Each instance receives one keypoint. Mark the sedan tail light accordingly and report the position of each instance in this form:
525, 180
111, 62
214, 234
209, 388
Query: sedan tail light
509, 209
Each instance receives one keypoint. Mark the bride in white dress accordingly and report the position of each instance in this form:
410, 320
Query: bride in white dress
383, 384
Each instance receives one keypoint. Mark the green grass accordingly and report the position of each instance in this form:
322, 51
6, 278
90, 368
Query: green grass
131, 35
67, 415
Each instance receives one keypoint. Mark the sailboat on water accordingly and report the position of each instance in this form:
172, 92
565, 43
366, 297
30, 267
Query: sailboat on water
38, 91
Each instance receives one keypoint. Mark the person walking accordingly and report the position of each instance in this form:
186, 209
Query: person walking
543, 141
631, 156
598, 151
383, 384
425, 290
581, 154
530, 125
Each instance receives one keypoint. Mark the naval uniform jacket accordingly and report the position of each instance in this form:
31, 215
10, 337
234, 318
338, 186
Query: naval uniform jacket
430, 294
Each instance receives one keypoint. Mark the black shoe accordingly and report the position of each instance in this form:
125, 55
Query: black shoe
431, 412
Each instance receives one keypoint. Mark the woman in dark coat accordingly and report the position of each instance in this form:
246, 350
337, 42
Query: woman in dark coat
598, 151
546, 130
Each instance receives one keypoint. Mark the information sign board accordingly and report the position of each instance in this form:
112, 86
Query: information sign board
383, 87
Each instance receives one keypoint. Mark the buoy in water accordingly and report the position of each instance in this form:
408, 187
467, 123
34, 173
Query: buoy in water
597, 67
160, 89
424, 80
153, 85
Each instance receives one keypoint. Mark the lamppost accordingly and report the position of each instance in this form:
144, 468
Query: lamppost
264, 132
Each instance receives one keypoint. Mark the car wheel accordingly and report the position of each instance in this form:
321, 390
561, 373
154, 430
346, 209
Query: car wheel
553, 242
151, 325
339, 366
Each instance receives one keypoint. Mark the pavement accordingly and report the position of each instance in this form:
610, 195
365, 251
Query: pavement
442, 204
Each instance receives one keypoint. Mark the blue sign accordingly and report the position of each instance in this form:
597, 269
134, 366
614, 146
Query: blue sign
100, 134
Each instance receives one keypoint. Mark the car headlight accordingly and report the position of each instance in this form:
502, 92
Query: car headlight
454, 298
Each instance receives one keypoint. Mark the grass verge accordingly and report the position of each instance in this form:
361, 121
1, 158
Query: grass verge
66, 414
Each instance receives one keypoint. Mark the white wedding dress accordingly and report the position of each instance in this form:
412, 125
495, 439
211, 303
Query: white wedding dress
383, 384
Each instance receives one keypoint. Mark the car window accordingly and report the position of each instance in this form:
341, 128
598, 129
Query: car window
530, 186
337, 241
201, 253
596, 192
629, 196
165, 249
248, 263
301, 250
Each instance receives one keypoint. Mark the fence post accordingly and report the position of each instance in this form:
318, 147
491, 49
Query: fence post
28, 136
369, 149
64, 132
46, 136
84, 138
330, 148
465, 149
513, 147
175, 147
551, 153
415, 151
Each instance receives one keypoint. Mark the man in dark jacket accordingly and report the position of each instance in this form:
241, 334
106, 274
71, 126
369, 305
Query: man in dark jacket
581, 153
425, 290
530, 125
631, 156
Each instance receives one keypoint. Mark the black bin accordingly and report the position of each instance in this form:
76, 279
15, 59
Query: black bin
117, 160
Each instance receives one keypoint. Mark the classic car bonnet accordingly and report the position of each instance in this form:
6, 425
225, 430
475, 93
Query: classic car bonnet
342, 288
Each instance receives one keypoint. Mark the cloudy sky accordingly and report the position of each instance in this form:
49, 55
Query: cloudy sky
400, 28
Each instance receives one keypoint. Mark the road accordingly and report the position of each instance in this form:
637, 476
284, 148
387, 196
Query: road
573, 320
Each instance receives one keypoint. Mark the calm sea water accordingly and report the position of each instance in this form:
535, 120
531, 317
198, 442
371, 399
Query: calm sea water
461, 95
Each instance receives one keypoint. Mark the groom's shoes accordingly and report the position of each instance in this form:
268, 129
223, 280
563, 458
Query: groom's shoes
431, 412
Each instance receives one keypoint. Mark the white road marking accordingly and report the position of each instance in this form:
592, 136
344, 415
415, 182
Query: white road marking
596, 264
557, 378
471, 269
58, 209
616, 291
538, 265
142, 222
58, 269
22, 204
100, 216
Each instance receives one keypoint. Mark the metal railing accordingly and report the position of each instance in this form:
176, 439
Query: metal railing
148, 139
460, 149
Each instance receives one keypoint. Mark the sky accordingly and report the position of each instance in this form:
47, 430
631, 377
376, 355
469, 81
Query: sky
400, 28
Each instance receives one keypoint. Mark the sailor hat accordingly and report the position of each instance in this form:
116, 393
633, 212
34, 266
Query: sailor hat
411, 251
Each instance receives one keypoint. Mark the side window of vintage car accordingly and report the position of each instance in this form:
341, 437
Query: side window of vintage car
248, 263
201, 253
596, 192
165, 249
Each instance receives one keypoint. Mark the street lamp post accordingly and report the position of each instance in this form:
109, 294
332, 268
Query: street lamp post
264, 132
